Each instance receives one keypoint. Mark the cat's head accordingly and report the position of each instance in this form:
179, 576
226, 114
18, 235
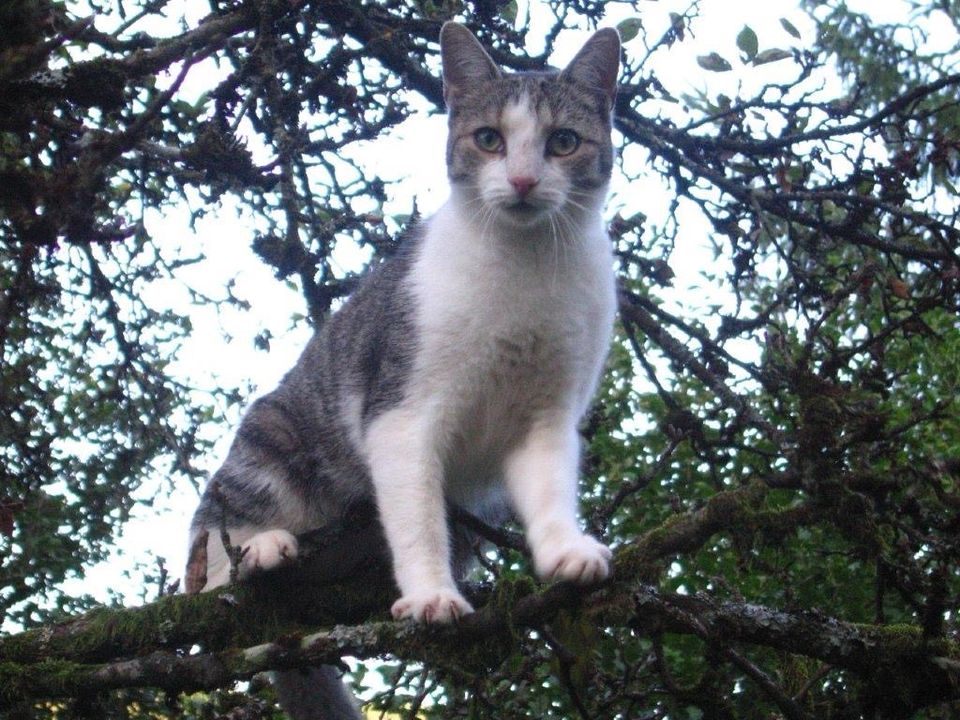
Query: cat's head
527, 147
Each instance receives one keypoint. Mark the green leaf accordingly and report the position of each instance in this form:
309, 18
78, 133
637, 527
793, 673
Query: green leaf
629, 28
509, 11
714, 62
772, 55
747, 42
790, 28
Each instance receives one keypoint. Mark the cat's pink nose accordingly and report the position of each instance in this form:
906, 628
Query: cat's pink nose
523, 185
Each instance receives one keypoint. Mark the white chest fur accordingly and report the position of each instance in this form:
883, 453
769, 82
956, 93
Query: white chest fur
513, 329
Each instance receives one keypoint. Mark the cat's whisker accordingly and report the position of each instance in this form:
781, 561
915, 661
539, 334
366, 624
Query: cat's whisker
477, 202
568, 239
586, 209
487, 221
557, 242
481, 216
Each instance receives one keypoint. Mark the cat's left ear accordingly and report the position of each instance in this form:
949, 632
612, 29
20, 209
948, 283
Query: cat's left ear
465, 62
597, 64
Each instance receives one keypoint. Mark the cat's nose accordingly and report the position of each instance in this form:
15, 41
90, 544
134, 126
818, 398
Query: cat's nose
523, 184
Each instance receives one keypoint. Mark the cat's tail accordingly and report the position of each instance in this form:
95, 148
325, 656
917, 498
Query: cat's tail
316, 693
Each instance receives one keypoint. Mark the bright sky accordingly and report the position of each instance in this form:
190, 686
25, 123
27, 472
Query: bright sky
221, 350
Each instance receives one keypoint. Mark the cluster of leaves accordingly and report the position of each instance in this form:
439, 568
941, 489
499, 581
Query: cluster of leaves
818, 376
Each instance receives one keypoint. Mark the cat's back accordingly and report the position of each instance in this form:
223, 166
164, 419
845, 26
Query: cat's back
356, 363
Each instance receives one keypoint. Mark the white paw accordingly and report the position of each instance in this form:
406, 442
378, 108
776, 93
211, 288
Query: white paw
578, 558
266, 551
437, 606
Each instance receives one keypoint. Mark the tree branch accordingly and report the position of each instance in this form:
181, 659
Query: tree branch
268, 623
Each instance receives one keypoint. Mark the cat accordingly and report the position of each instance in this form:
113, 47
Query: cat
459, 370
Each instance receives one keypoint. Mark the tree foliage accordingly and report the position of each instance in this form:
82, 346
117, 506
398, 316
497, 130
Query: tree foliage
775, 454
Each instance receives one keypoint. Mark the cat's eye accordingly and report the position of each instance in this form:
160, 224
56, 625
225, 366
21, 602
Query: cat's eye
488, 140
562, 142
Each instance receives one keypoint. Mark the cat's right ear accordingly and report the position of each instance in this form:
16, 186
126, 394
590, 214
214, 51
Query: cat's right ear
597, 64
465, 62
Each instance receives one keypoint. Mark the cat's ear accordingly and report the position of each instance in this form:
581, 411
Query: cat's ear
597, 64
465, 62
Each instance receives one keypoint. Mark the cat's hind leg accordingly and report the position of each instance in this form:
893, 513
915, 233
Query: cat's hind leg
260, 550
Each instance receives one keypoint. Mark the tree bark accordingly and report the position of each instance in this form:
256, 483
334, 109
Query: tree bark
272, 622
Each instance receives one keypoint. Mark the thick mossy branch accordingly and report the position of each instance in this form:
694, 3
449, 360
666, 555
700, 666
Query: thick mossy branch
926, 671
307, 595
687, 532
270, 622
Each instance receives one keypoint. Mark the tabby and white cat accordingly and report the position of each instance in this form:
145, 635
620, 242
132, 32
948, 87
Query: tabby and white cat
460, 369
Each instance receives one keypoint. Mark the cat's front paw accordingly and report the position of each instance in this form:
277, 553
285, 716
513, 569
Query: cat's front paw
266, 551
436, 606
579, 559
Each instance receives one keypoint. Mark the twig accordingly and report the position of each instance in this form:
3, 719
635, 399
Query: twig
234, 552
791, 710
498, 536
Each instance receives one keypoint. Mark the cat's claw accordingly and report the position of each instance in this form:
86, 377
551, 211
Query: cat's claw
438, 606
580, 559
267, 550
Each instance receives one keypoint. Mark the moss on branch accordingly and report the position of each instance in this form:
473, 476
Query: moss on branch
271, 622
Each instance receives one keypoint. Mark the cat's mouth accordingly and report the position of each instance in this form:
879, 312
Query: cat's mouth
524, 209
524, 213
